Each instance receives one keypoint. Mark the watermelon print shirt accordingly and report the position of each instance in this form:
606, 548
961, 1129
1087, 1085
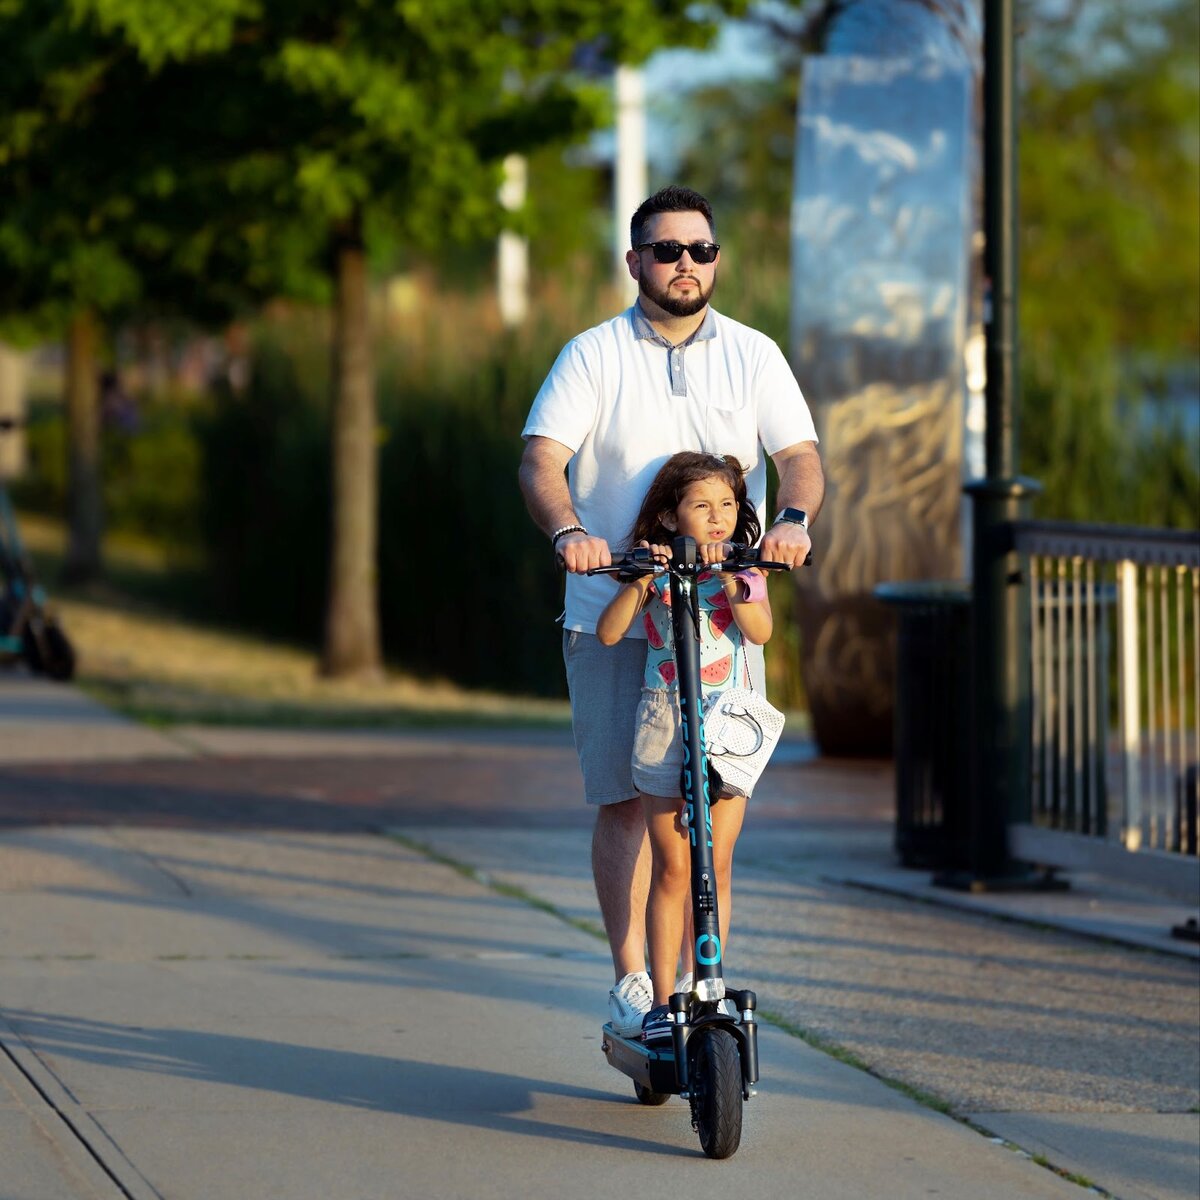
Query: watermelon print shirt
720, 636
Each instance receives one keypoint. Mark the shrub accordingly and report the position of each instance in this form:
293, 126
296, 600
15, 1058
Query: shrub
151, 472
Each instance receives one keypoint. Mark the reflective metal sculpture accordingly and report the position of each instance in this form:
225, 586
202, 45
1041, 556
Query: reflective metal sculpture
882, 233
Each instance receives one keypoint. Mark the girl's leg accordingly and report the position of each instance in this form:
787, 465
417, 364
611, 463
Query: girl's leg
669, 875
727, 817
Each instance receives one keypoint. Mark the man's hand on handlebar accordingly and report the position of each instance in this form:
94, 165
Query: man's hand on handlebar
786, 543
580, 553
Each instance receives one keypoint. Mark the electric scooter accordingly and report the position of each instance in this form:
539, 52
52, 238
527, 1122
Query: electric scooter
712, 1059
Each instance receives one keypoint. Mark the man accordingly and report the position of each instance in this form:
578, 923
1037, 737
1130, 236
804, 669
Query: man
668, 374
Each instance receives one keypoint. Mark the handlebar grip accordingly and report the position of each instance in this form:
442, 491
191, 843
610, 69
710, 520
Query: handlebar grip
751, 560
638, 561
774, 566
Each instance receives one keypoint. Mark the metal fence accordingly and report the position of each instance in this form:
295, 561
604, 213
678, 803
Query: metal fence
1115, 671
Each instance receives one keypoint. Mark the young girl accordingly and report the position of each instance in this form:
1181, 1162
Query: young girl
702, 496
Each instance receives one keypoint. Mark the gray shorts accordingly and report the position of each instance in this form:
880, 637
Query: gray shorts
605, 685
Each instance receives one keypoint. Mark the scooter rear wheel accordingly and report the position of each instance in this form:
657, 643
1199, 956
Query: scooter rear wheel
715, 1085
647, 1097
48, 651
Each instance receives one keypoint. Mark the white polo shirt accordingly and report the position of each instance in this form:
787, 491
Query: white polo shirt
623, 400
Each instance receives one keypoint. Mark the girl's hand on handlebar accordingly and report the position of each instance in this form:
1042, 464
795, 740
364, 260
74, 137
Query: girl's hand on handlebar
660, 554
580, 553
713, 553
649, 561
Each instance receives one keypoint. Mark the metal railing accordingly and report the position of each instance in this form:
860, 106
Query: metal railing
1115, 674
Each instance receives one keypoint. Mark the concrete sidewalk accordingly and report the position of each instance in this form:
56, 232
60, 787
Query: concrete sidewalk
218, 979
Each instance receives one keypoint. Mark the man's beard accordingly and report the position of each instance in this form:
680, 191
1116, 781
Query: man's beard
678, 306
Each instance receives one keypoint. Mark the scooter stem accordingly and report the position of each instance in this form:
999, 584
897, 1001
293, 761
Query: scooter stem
709, 981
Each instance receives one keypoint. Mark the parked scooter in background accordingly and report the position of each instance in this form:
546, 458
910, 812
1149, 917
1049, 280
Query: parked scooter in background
28, 630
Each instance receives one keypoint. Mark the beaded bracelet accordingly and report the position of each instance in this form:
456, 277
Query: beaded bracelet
558, 533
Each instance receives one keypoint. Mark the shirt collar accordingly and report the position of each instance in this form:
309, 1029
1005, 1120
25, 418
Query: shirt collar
643, 330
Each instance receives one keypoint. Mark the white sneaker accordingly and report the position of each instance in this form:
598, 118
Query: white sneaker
629, 1002
684, 983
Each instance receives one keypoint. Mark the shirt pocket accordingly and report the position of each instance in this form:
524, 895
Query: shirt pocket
732, 430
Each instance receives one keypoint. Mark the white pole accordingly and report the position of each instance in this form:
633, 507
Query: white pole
1130, 684
512, 263
629, 169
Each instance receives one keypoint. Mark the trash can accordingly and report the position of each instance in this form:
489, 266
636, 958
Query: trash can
932, 721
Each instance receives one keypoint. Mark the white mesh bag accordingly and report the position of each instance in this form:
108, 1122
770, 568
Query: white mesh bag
741, 729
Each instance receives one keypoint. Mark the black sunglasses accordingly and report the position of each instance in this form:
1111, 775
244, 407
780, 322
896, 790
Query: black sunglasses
672, 252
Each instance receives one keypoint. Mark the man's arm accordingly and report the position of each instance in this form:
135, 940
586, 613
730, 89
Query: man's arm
802, 486
544, 486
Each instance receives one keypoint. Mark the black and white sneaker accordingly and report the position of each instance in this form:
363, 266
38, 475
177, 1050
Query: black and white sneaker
656, 1025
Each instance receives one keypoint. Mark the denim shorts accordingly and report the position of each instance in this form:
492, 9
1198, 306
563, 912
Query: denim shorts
605, 685
658, 745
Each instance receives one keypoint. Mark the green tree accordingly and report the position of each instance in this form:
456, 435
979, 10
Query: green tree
344, 125
1109, 201
59, 266
107, 187
1110, 254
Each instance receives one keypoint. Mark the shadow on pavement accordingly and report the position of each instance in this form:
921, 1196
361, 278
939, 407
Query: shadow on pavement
335, 795
378, 1083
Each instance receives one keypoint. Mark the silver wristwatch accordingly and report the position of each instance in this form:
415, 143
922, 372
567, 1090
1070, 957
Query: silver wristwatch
791, 516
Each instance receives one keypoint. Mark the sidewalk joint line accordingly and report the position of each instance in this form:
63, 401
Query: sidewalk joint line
499, 886
114, 832
7, 1034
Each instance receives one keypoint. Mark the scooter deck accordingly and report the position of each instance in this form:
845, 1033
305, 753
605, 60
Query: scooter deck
651, 1066
655, 1068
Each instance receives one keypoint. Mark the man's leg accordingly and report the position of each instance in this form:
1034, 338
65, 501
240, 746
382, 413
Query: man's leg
605, 683
621, 869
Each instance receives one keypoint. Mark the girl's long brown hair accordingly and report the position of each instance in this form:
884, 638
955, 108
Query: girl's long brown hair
674, 477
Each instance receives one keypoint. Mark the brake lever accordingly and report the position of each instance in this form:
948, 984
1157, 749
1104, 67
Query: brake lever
733, 565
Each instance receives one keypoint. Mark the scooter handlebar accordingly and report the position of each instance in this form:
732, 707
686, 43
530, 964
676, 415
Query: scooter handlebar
640, 561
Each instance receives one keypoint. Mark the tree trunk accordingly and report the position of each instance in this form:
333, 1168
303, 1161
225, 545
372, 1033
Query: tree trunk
84, 501
352, 620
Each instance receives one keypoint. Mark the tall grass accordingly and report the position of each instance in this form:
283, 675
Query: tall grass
240, 481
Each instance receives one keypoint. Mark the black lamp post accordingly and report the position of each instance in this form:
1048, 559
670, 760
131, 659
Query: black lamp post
1000, 726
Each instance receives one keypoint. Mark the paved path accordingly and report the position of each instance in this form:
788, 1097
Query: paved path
220, 977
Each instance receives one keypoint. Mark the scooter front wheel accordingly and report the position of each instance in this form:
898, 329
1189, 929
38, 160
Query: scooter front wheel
715, 1087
